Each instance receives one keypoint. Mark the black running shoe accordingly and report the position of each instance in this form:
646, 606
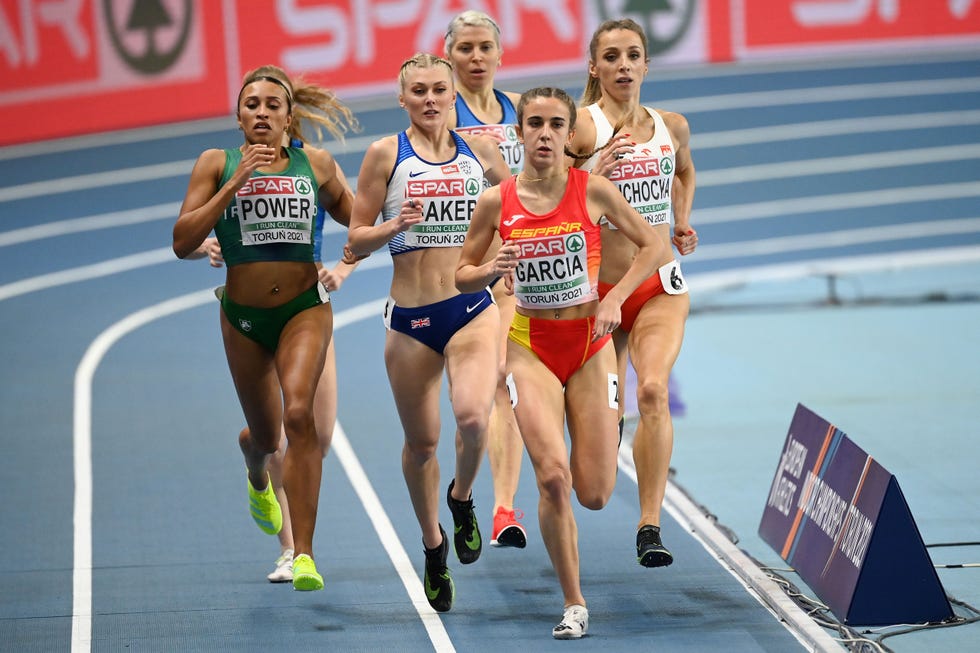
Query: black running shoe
650, 551
439, 588
466, 532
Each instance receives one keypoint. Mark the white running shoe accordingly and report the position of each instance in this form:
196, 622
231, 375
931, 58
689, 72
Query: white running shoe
283, 572
574, 623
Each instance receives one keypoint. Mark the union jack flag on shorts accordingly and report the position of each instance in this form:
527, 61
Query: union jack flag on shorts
421, 322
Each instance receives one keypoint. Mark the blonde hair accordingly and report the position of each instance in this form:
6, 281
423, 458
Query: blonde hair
309, 103
470, 18
422, 60
592, 91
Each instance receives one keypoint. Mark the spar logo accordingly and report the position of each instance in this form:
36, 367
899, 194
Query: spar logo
666, 165
276, 186
665, 23
551, 246
148, 35
435, 188
637, 168
499, 133
303, 186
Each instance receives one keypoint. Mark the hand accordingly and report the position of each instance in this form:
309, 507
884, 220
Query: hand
411, 214
254, 156
685, 239
349, 257
608, 317
212, 250
331, 279
506, 259
612, 155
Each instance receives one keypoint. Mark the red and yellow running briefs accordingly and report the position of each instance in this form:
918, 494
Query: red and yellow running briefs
562, 345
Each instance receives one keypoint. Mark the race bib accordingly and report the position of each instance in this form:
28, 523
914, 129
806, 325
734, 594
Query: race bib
447, 206
276, 209
553, 272
672, 279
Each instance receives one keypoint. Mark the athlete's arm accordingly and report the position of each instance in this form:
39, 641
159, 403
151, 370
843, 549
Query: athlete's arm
363, 235
682, 193
605, 199
476, 269
335, 194
204, 202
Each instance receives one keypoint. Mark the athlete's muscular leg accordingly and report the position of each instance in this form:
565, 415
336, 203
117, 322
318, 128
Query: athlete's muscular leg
324, 417
470, 367
415, 374
253, 372
540, 414
505, 449
299, 361
654, 344
592, 411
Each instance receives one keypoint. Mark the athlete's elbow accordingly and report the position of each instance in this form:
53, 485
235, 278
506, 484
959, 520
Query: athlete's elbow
464, 281
181, 249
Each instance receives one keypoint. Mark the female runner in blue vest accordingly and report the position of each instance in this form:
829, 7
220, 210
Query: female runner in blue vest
473, 47
424, 182
261, 200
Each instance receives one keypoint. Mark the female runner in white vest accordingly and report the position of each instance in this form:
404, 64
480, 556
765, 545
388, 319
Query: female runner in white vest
646, 153
424, 183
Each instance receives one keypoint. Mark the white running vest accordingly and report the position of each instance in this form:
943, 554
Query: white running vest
446, 191
645, 178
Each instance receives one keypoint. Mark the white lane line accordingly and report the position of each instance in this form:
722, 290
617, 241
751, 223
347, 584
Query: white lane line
143, 259
82, 445
76, 183
839, 266
86, 272
386, 531
841, 238
838, 164
837, 127
731, 559
90, 223
834, 202
359, 144
824, 94
81, 620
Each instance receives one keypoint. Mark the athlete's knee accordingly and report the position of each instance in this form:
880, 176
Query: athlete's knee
652, 396
472, 423
555, 483
593, 496
419, 452
298, 424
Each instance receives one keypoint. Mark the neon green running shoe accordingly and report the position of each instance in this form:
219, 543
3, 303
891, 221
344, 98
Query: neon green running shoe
305, 576
265, 507
439, 588
466, 532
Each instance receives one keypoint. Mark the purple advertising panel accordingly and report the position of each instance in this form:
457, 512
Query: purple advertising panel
821, 516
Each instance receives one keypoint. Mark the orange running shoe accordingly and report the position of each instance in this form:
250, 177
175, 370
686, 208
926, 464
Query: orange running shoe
507, 531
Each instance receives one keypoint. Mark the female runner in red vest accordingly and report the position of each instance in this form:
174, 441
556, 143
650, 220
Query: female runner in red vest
560, 360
